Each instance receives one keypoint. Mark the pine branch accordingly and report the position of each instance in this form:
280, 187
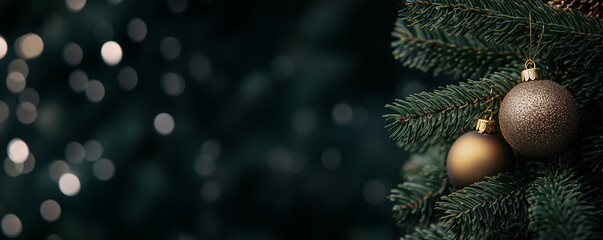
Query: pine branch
462, 57
488, 208
558, 207
592, 149
424, 118
415, 198
585, 84
568, 36
434, 232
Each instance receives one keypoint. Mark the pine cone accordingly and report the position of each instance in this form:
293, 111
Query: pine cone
589, 7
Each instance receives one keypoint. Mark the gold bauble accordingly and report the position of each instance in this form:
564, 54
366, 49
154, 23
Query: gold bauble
475, 156
539, 118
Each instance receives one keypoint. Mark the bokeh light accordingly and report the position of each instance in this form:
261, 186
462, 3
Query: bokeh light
73, 54
75, 5
169, 48
78, 80
69, 184
111, 53
204, 165
4, 111
210, 191
15, 82
177, 6
18, 65
11, 225
11, 168
211, 148
57, 169
17, 150
304, 121
127, 78
74, 152
172, 84
342, 113
3, 47
50, 210
29, 46
164, 123
199, 67
29, 95
29, 164
93, 150
27, 113
103, 169
331, 158
137, 30
95, 91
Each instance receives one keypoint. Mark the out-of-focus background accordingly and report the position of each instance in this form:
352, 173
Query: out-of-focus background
198, 119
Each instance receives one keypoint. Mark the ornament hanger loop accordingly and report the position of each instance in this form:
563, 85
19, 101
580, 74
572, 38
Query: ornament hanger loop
530, 62
486, 114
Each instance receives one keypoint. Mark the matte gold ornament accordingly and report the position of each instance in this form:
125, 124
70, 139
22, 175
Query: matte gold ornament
478, 154
538, 118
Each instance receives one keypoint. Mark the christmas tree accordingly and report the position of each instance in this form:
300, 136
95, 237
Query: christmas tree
551, 190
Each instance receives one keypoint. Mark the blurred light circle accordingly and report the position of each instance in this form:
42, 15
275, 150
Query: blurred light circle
29, 164
74, 152
3, 47
11, 168
127, 78
27, 113
75, 5
54, 236
103, 31
342, 113
93, 149
111, 53
137, 30
204, 165
69, 184
4, 111
95, 91
17, 150
211, 148
50, 210
331, 158
303, 121
374, 191
164, 123
169, 48
177, 6
282, 67
11, 225
73, 54
57, 169
15, 82
210, 191
29, 46
103, 169
172, 84
18, 65
78, 80
200, 67
29, 95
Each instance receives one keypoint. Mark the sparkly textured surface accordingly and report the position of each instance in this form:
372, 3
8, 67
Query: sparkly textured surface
539, 118
476, 155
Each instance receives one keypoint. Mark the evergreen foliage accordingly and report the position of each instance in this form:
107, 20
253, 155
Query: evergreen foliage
481, 43
415, 198
558, 207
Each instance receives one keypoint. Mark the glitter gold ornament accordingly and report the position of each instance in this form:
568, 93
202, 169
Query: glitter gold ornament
538, 117
478, 154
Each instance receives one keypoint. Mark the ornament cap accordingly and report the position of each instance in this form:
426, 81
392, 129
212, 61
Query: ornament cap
531, 73
486, 125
